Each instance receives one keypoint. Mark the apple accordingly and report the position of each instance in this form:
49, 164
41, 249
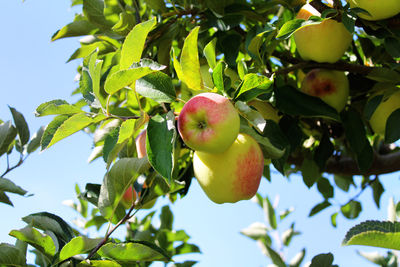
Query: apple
140, 142
130, 196
208, 122
378, 9
232, 175
385, 108
324, 42
330, 86
265, 109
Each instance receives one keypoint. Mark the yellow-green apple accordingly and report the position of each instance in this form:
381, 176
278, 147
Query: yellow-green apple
377, 9
265, 109
232, 175
208, 122
330, 86
324, 42
388, 104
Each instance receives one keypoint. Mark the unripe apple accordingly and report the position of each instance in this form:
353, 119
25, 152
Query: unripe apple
385, 108
265, 109
378, 9
208, 122
324, 42
330, 86
232, 175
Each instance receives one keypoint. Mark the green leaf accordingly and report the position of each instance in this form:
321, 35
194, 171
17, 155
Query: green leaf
21, 125
8, 186
87, 49
133, 251
11, 256
93, 10
49, 222
310, 172
7, 135
63, 126
209, 53
251, 115
270, 213
79, 27
323, 152
125, 24
56, 107
293, 102
351, 210
319, 207
218, 76
34, 143
292, 26
189, 62
134, 44
349, 20
256, 231
157, 5
252, 86
78, 245
384, 75
93, 69
392, 46
392, 131
297, 259
257, 41
374, 233
160, 143
273, 255
166, 218
157, 86
123, 78
325, 187
371, 105
343, 182
356, 135
186, 248
109, 143
377, 191
322, 260
122, 175
42, 242
5, 199
100, 263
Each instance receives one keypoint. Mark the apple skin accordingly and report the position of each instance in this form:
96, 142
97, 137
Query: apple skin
324, 42
208, 122
330, 86
385, 108
130, 196
140, 142
233, 175
265, 109
378, 9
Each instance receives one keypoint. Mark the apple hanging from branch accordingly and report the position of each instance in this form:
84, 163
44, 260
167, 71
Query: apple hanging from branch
330, 86
208, 122
323, 42
232, 175
377, 9
388, 104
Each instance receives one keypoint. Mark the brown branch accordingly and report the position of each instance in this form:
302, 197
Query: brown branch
344, 165
341, 65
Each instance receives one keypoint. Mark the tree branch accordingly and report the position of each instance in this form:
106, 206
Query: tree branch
345, 165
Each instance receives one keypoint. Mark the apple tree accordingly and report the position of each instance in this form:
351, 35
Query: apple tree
315, 86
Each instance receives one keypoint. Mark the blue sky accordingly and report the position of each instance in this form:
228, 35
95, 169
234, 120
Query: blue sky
33, 70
